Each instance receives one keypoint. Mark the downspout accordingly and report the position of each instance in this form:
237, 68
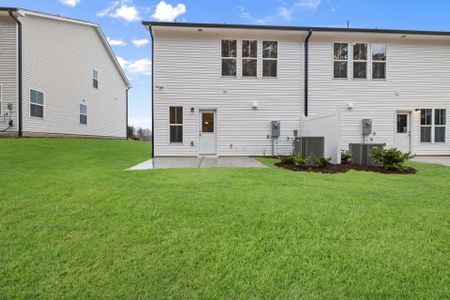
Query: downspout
126, 122
153, 100
306, 71
19, 63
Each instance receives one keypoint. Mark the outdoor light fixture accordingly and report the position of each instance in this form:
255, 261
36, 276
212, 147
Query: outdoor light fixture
192, 109
255, 105
349, 105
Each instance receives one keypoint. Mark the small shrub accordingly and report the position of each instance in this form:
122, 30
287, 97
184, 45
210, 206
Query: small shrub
300, 162
287, 160
345, 157
391, 158
323, 162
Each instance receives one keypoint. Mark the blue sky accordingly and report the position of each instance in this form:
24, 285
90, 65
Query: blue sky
120, 20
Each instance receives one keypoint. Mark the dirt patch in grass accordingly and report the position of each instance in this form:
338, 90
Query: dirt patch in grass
342, 168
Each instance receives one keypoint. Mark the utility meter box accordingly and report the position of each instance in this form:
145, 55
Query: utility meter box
275, 129
366, 126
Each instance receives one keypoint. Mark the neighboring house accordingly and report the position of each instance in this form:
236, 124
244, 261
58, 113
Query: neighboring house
58, 76
217, 87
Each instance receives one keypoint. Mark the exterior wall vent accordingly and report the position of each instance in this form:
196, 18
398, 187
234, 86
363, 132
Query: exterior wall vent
309, 146
361, 153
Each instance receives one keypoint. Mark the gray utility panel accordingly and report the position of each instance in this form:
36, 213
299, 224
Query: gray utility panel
275, 129
366, 126
361, 154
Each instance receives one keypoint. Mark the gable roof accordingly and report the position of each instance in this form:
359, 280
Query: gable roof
24, 12
296, 28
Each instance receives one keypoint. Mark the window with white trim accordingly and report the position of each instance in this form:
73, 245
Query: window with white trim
432, 125
229, 54
36, 104
439, 125
249, 58
83, 114
360, 60
378, 61
176, 124
270, 58
340, 60
95, 78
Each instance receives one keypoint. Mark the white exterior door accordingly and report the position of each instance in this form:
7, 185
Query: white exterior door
403, 131
207, 134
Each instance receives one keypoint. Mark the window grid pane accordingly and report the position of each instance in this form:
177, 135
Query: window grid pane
439, 116
270, 49
229, 48
36, 111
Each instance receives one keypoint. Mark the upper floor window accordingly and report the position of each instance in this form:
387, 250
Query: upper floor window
360, 61
95, 79
83, 114
249, 58
176, 124
270, 57
340, 60
36, 104
229, 53
430, 123
378, 61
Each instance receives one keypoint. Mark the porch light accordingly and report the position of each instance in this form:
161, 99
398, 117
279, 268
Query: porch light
255, 105
192, 109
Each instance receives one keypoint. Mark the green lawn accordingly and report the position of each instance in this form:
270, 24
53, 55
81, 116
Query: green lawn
74, 224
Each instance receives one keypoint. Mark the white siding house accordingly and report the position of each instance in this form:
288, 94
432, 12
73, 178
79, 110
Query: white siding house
70, 81
217, 88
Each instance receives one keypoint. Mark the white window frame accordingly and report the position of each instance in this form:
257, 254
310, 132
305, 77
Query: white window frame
81, 114
270, 58
358, 61
176, 124
94, 72
31, 103
236, 58
433, 126
249, 58
341, 60
372, 61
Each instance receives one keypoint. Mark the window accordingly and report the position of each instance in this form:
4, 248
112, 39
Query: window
176, 124
95, 79
83, 114
402, 123
36, 104
439, 125
378, 61
425, 125
249, 58
270, 57
340, 60
229, 51
360, 61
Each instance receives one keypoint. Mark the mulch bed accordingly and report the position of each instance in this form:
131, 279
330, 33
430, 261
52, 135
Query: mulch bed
342, 168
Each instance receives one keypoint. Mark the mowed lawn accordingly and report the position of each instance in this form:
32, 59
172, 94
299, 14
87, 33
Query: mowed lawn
74, 224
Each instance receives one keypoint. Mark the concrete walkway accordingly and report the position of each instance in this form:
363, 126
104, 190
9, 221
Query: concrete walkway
441, 160
198, 162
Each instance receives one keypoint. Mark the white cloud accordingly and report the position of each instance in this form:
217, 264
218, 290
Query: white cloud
311, 4
244, 14
141, 42
71, 3
114, 42
141, 66
122, 10
168, 13
285, 13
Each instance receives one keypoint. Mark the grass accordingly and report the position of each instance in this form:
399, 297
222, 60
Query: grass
74, 224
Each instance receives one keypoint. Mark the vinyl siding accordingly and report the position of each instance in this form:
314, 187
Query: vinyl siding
8, 73
58, 60
188, 68
418, 76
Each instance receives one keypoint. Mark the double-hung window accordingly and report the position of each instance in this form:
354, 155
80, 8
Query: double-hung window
229, 54
83, 114
270, 58
360, 60
249, 58
95, 79
176, 124
340, 60
432, 125
36, 104
378, 61
439, 125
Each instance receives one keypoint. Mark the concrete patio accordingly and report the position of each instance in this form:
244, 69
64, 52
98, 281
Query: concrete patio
198, 162
441, 160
